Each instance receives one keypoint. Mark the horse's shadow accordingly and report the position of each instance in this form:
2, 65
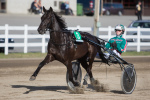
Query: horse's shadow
45, 88
51, 88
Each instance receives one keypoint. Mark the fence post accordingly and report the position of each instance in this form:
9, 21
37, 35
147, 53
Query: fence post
138, 39
43, 43
109, 32
25, 38
6, 39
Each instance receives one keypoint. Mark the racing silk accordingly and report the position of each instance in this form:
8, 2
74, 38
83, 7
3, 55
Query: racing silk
121, 43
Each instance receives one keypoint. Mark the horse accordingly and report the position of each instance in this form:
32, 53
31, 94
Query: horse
62, 47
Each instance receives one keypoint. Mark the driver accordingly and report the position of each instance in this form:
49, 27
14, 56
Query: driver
117, 44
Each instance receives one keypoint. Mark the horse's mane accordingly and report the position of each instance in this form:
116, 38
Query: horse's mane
60, 20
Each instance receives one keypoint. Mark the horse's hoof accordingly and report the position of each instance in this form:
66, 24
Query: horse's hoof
95, 82
77, 84
85, 84
32, 78
71, 87
75, 90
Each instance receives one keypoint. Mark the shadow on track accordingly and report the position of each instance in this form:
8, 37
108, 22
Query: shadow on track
117, 92
45, 88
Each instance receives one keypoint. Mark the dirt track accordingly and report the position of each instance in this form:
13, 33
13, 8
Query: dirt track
51, 81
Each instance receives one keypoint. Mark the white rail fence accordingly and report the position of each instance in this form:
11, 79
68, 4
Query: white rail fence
27, 36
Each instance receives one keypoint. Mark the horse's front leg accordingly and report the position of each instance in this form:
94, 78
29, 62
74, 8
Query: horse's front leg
47, 59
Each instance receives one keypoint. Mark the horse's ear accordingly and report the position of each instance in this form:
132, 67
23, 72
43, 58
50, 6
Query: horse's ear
44, 9
51, 9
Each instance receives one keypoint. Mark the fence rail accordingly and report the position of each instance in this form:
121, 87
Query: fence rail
27, 36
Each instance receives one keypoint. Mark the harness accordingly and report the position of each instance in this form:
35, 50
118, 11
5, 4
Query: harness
74, 35
68, 42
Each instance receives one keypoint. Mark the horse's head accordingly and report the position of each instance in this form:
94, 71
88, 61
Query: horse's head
46, 20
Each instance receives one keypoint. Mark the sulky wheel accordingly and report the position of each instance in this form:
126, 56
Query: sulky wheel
76, 72
128, 85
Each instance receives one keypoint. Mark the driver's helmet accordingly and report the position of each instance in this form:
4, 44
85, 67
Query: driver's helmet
120, 27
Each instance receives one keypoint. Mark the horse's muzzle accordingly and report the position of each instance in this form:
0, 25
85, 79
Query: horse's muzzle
41, 31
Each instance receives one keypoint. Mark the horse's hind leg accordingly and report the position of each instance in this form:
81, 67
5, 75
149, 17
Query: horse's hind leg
88, 68
69, 68
85, 65
47, 59
94, 82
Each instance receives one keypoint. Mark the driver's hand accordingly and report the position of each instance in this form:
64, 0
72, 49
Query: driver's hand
114, 45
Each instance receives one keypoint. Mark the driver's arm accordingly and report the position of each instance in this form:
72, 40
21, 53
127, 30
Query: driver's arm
122, 47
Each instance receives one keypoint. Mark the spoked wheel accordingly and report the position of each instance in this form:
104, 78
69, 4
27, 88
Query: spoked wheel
128, 84
76, 72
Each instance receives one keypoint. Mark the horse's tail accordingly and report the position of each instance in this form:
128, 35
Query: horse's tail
101, 54
96, 39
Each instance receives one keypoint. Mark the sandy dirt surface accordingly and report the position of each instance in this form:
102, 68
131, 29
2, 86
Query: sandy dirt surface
50, 84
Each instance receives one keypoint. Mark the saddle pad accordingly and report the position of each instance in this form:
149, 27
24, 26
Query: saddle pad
78, 36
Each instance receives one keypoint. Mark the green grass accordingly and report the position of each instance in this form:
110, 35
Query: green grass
42, 55
133, 53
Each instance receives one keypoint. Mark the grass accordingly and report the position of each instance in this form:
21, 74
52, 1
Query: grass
133, 53
42, 55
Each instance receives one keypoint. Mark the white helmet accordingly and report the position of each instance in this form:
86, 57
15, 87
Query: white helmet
120, 27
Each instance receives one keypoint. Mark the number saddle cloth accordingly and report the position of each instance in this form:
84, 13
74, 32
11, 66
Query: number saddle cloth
78, 37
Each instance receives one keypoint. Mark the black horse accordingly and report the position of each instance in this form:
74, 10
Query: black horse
62, 47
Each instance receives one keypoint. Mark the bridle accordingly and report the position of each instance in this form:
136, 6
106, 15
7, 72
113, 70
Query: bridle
64, 31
